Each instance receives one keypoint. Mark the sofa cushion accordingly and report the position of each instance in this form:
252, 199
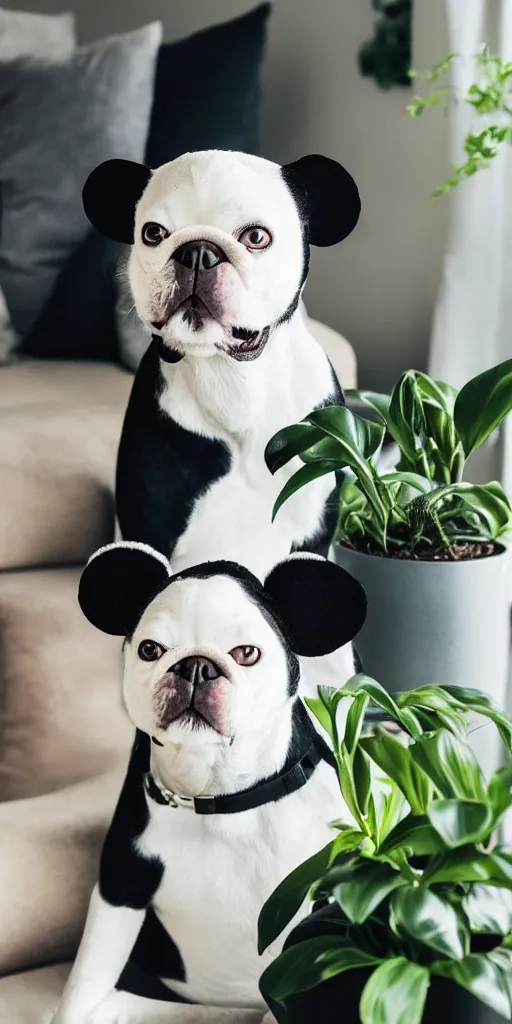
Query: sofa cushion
32, 996
60, 687
49, 856
59, 429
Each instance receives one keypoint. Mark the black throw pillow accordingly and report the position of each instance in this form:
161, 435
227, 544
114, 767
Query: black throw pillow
206, 96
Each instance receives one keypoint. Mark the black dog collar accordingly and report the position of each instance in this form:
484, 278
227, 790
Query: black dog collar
287, 781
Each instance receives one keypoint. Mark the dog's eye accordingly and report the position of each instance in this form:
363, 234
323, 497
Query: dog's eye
153, 234
255, 238
245, 656
148, 650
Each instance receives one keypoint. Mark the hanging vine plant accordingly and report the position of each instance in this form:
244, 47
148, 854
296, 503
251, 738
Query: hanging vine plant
387, 57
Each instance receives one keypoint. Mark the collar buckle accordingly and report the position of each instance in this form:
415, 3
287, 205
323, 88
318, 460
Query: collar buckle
175, 800
167, 796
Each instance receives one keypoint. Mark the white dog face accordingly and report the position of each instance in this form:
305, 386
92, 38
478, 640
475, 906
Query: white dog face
212, 653
218, 252
220, 241
203, 659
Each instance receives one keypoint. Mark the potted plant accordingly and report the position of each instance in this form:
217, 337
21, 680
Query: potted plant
428, 547
490, 96
416, 921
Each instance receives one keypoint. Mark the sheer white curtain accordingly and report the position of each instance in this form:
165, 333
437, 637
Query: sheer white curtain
472, 327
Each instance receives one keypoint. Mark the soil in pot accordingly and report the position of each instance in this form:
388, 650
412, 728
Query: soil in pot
461, 552
339, 997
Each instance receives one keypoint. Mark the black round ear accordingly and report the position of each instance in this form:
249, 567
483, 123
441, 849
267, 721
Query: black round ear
322, 605
118, 583
331, 197
111, 194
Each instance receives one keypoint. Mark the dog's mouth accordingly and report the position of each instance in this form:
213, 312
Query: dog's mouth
243, 345
193, 312
251, 346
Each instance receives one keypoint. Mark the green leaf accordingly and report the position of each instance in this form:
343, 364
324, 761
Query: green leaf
307, 964
355, 436
325, 450
424, 916
392, 807
467, 864
451, 764
502, 957
482, 404
368, 883
321, 713
303, 476
362, 779
348, 785
395, 993
481, 704
414, 833
374, 400
289, 896
414, 480
490, 503
378, 695
354, 722
460, 822
480, 976
396, 761
406, 416
289, 442
499, 790
331, 698
488, 909
348, 429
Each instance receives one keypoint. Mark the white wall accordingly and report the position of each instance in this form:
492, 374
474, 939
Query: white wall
377, 288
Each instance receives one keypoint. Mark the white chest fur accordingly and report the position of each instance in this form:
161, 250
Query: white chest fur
219, 871
243, 405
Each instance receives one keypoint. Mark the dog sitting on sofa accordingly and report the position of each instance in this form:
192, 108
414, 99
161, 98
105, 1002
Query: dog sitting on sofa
219, 256
229, 785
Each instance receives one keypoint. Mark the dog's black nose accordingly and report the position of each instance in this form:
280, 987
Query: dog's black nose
199, 255
196, 670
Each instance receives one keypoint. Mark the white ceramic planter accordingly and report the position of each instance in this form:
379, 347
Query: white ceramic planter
435, 622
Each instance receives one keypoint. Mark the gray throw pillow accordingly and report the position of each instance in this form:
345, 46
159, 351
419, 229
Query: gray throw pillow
51, 36
57, 122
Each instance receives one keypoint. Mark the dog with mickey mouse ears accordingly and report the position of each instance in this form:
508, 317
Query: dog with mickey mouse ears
219, 248
229, 784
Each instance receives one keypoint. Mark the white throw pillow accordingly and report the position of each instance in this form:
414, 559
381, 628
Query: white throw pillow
47, 36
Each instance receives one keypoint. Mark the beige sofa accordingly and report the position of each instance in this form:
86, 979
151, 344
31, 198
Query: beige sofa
64, 738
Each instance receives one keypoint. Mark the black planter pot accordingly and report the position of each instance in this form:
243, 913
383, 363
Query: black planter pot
339, 997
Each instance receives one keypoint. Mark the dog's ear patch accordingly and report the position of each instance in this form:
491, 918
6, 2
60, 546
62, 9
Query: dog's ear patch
118, 583
111, 194
331, 197
322, 605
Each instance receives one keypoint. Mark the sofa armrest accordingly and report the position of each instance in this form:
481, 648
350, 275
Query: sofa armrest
339, 351
49, 853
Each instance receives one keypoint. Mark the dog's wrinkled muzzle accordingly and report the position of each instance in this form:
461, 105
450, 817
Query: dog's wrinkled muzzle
196, 689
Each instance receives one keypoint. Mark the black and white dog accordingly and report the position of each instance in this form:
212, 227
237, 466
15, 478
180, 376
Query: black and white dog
229, 785
219, 257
